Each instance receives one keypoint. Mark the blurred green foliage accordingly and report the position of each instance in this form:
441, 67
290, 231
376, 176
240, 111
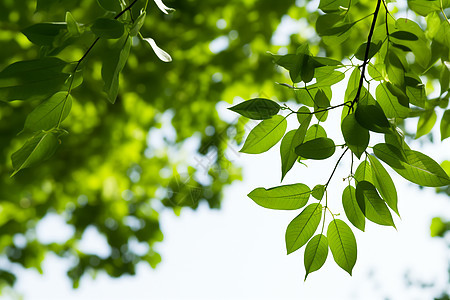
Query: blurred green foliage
123, 163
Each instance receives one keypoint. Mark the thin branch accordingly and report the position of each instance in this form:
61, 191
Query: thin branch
335, 167
366, 56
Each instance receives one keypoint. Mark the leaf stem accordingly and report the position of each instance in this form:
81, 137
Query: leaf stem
335, 167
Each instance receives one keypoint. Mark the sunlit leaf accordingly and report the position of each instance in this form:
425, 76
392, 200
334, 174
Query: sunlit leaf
265, 135
356, 137
37, 149
320, 148
316, 253
302, 227
49, 113
372, 205
426, 122
415, 166
288, 144
342, 244
318, 191
351, 208
384, 184
445, 125
257, 109
292, 196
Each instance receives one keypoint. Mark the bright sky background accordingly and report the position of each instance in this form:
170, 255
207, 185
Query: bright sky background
238, 252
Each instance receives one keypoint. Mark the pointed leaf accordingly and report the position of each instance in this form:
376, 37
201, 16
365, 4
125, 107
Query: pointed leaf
415, 166
351, 208
302, 227
445, 125
426, 122
32, 79
316, 253
265, 135
44, 34
137, 25
257, 109
49, 113
108, 28
356, 137
320, 148
390, 103
384, 184
290, 141
113, 63
292, 196
404, 35
372, 205
363, 172
110, 5
361, 52
318, 191
162, 55
342, 244
370, 116
38, 148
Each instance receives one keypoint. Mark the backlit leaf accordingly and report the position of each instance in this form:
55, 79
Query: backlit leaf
372, 205
342, 244
414, 166
302, 227
257, 109
320, 148
445, 125
38, 148
316, 253
265, 135
351, 208
292, 196
49, 113
356, 137
384, 184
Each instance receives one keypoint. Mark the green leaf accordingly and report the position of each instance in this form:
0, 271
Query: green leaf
332, 25
445, 125
49, 113
110, 5
107, 28
318, 191
290, 141
415, 166
320, 148
361, 52
370, 115
342, 244
351, 208
286, 197
321, 102
265, 135
329, 6
399, 94
113, 62
257, 109
302, 227
72, 25
424, 7
137, 25
314, 132
363, 172
303, 114
316, 253
426, 122
384, 184
404, 35
394, 68
415, 90
326, 77
356, 137
372, 205
44, 34
32, 79
390, 103
38, 148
